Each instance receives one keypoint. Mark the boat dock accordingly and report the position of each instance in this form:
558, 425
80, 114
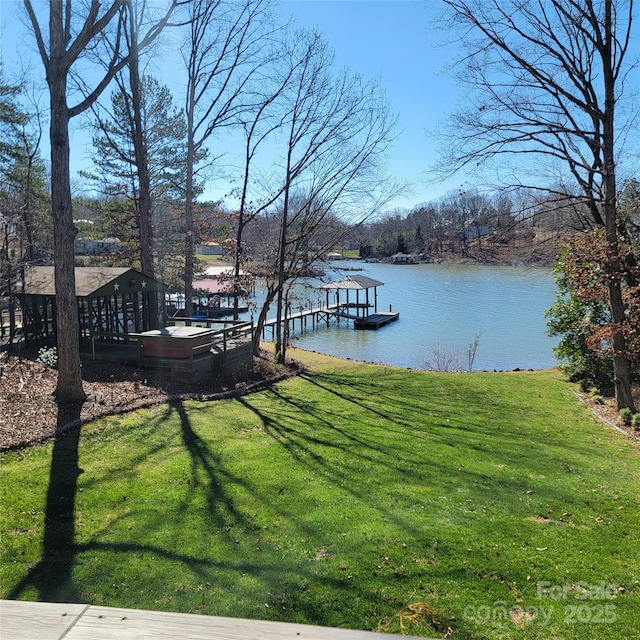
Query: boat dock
376, 320
308, 319
358, 311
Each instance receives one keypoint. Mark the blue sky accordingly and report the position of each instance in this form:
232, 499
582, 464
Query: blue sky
387, 39
395, 41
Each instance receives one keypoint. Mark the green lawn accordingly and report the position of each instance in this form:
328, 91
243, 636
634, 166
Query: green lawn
492, 503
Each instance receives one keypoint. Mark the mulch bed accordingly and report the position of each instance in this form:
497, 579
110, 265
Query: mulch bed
29, 413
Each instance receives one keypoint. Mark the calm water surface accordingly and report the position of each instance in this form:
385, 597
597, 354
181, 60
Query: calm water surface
443, 308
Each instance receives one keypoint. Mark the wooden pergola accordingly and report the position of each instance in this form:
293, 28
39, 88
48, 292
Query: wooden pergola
113, 302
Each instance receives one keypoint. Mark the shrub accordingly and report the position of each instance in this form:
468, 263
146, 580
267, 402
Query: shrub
596, 396
48, 356
626, 415
635, 421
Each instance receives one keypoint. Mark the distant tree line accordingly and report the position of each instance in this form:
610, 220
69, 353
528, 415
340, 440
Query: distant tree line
468, 221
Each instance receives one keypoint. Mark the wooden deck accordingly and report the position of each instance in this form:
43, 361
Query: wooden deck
54, 621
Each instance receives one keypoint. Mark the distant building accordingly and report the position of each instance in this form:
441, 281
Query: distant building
209, 249
404, 258
90, 247
475, 230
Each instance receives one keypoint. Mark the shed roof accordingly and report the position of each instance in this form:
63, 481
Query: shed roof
353, 283
89, 281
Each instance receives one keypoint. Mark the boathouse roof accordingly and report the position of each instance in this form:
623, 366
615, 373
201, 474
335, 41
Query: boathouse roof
113, 304
357, 283
213, 286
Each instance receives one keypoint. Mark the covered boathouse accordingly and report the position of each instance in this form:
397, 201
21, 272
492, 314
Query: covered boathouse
358, 310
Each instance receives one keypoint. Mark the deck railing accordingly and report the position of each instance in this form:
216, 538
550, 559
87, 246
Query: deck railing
228, 329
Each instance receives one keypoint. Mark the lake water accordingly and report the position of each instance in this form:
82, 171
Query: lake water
443, 308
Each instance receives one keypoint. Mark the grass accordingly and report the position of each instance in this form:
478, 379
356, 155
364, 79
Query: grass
490, 505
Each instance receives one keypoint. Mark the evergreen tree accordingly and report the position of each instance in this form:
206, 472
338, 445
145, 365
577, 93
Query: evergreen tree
117, 174
25, 223
164, 129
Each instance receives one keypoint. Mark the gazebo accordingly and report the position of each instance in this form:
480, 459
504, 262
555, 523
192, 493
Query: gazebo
113, 302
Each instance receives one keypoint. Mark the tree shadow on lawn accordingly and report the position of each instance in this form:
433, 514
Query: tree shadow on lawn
499, 466
217, 478
477, 426
52, 575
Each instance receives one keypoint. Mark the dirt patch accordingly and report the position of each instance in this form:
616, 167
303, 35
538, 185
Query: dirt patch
29, 414
521, 617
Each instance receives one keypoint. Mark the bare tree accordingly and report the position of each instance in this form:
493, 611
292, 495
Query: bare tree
336, 130
259, 124
225, 47
549, 77
70, 33
139, 140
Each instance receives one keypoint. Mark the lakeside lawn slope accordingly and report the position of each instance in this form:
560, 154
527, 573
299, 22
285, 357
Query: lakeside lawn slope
493, 504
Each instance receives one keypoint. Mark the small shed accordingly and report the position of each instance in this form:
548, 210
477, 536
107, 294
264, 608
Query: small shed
113, 302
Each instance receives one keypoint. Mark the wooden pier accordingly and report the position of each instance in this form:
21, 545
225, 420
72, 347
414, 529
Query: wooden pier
310, 319
357, 310
307, 319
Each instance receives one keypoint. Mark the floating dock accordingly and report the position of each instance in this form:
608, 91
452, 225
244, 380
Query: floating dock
376, 320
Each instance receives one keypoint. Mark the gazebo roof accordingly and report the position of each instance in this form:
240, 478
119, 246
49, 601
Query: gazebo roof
90, 281
353, 283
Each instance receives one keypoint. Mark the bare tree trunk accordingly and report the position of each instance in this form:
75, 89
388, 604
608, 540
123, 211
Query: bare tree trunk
262, 318
281, 347
188, 213
145, 226
27, 213
69, 388
237, 263
622, 377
